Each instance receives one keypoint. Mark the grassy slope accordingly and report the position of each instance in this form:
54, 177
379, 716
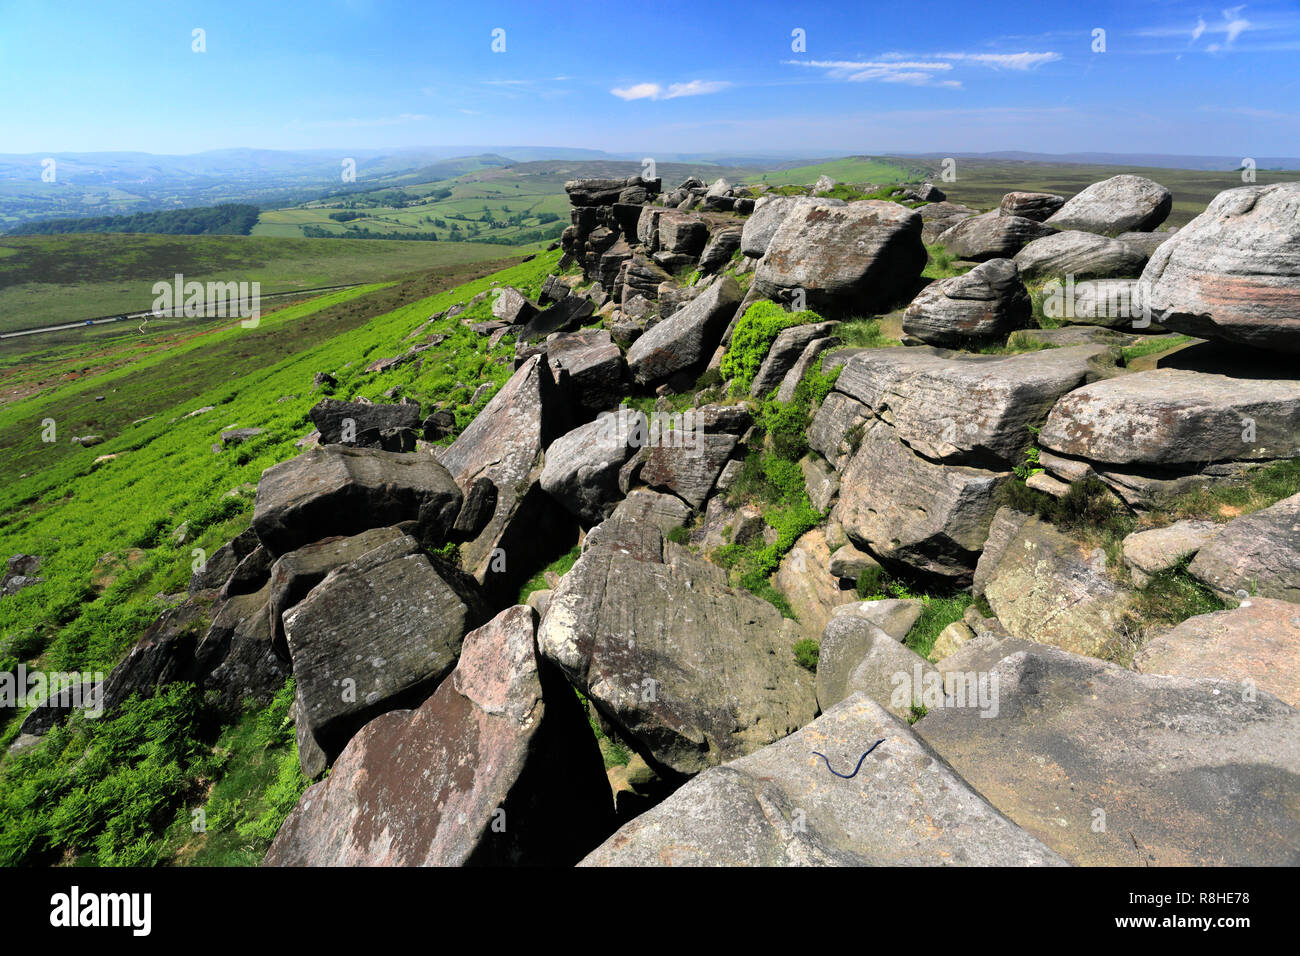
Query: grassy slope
65, 278
71, 512
851, 170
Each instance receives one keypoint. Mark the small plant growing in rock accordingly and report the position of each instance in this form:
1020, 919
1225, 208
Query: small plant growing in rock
806, 653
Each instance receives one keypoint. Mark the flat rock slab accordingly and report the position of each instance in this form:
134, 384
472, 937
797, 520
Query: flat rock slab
1257, 553
991, 236
782, 807
963, 408
497, 767
341, 490
1150, 552
1044, 586
1233, 273
1174, 418
370, 636
1254, 645
691, 671
1082, 255
1113, 768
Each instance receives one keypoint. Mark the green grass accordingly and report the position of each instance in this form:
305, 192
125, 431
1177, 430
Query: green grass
560, 566
863, 333
54, 279
858, 169
1226, 500
937, 612
752, 338
1161, 343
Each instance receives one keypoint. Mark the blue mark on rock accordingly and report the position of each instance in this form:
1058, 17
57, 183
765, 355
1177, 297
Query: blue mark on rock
849, 776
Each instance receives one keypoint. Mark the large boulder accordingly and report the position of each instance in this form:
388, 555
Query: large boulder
1083, 255
594, 365
685, 342
505, 444
1175, 418
1233, 273
856, 656
293, 575
582, 466
769, 212
1113, 768
722, 246
341, 490
910, 510
1120, 204
804, 577
1148, 553
363, 424
968, 408
689, 467
781, 806
846, 259
1027, 205
682, 233
1257, 553
1256, 645
1045, 586
991, 236
984, 305
690, 671
376, 634
497, 767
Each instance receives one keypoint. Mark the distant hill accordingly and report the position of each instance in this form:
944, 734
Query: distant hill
228, 219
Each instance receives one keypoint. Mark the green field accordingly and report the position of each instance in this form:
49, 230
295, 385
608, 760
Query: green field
854, 169
55, 279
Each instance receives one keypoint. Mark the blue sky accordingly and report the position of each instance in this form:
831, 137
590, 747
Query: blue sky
1175, 77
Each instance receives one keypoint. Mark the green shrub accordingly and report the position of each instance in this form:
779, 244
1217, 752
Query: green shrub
753, 336
806, 654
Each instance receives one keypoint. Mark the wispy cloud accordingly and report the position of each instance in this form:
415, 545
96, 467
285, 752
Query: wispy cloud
654, 91
929, 69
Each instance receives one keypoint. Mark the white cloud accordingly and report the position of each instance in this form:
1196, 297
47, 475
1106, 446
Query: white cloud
1004, 61
653, 91
1200, 28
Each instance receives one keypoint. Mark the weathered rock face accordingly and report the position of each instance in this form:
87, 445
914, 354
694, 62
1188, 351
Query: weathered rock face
910, 510
722, 246
1256, 645
846, 259
1150, 552
1173, 418
497, 767
1083, 255
512, 306
991, 236
340, 490
937, 218
1027, 205
563, 316
769, 213
691, 672
688, 469
804, 577
1233, 273
1113, 303
1184, 772
685, 342
781, 807
1119, 204
363, 424
960, 407
221, 564
505, 444
374, 635
293, 575
582, 467
235, 661
985, 304
786, 349
856, 656
594, 365
682, 233
1044, 586
837, 427
810, 356
1257, 553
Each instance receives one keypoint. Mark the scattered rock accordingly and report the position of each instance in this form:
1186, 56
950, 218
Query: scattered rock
1257, 553
1120, 204
984, 305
